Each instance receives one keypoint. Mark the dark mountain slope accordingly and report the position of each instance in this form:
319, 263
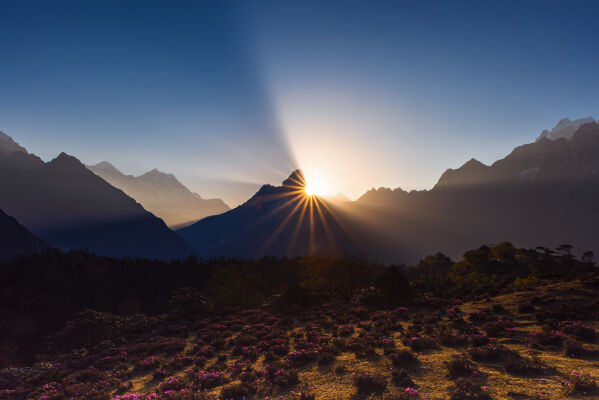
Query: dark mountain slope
277, 220
544, 193
16, 240
69, 207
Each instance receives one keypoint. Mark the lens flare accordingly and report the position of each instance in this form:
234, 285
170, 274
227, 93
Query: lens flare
315, 186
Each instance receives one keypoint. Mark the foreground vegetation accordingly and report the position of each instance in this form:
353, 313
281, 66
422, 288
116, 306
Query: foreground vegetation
500, 323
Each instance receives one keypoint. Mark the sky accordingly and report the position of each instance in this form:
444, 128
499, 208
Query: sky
228, 95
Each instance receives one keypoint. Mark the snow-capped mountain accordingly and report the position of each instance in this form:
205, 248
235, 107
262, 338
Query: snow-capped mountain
162, 194
564, 129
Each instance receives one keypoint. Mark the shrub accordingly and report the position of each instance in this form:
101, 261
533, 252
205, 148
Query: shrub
419, 342
579, 384
546, 338
491, 352
187, 302
401, 378
518, 365
238, 391
402, 358
467, 389
459, 365
499, 328
280, 375
368, 384
578, 330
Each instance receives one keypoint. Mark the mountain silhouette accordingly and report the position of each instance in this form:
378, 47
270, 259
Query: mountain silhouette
543, 193
276, 221
16, 240
69, 207
161, 194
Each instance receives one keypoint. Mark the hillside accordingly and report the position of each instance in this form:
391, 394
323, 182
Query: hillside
308, 328
16, 240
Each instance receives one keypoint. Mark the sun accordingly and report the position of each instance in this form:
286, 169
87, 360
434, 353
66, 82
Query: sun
314, 187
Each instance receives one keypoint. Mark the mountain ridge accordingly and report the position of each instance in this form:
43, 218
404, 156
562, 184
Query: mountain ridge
162, 194
69, 207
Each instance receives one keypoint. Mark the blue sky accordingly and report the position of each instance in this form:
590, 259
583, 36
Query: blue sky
227, 95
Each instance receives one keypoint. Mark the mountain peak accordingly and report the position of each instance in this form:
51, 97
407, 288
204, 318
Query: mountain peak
565, 128
9, 146
106, 167
473, 162
67, 163
295, 179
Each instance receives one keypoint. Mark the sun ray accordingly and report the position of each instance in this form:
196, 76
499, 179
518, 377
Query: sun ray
282, 225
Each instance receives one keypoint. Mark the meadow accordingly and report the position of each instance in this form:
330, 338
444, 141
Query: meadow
438, 330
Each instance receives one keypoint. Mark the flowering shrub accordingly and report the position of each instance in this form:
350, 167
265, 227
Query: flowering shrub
172, 383
499, 328
578, 330
207, 379
345, 330
280, 376
491, 352
409, 393
402, 357
148, 363
419, 343
579, 384
546, 338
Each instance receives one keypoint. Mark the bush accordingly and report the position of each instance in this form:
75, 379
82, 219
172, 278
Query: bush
459, 365
467, 389
579, 384
402, 358
401, 378
90, 328
518, 365
368, 384
491, 352
187, 302
238, 391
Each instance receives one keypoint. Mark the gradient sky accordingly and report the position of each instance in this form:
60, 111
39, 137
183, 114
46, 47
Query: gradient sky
228, 95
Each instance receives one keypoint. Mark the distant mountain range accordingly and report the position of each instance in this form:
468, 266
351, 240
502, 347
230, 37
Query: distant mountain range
161, 194
543, 193
16, 240
68, 206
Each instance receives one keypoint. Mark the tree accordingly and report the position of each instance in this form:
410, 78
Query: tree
565, 249
588, 257
393, 285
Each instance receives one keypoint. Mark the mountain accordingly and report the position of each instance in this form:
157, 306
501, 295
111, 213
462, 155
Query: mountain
276, 221
564, 129
68, 207
16, 240
542, 193
9, 146
161, 194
